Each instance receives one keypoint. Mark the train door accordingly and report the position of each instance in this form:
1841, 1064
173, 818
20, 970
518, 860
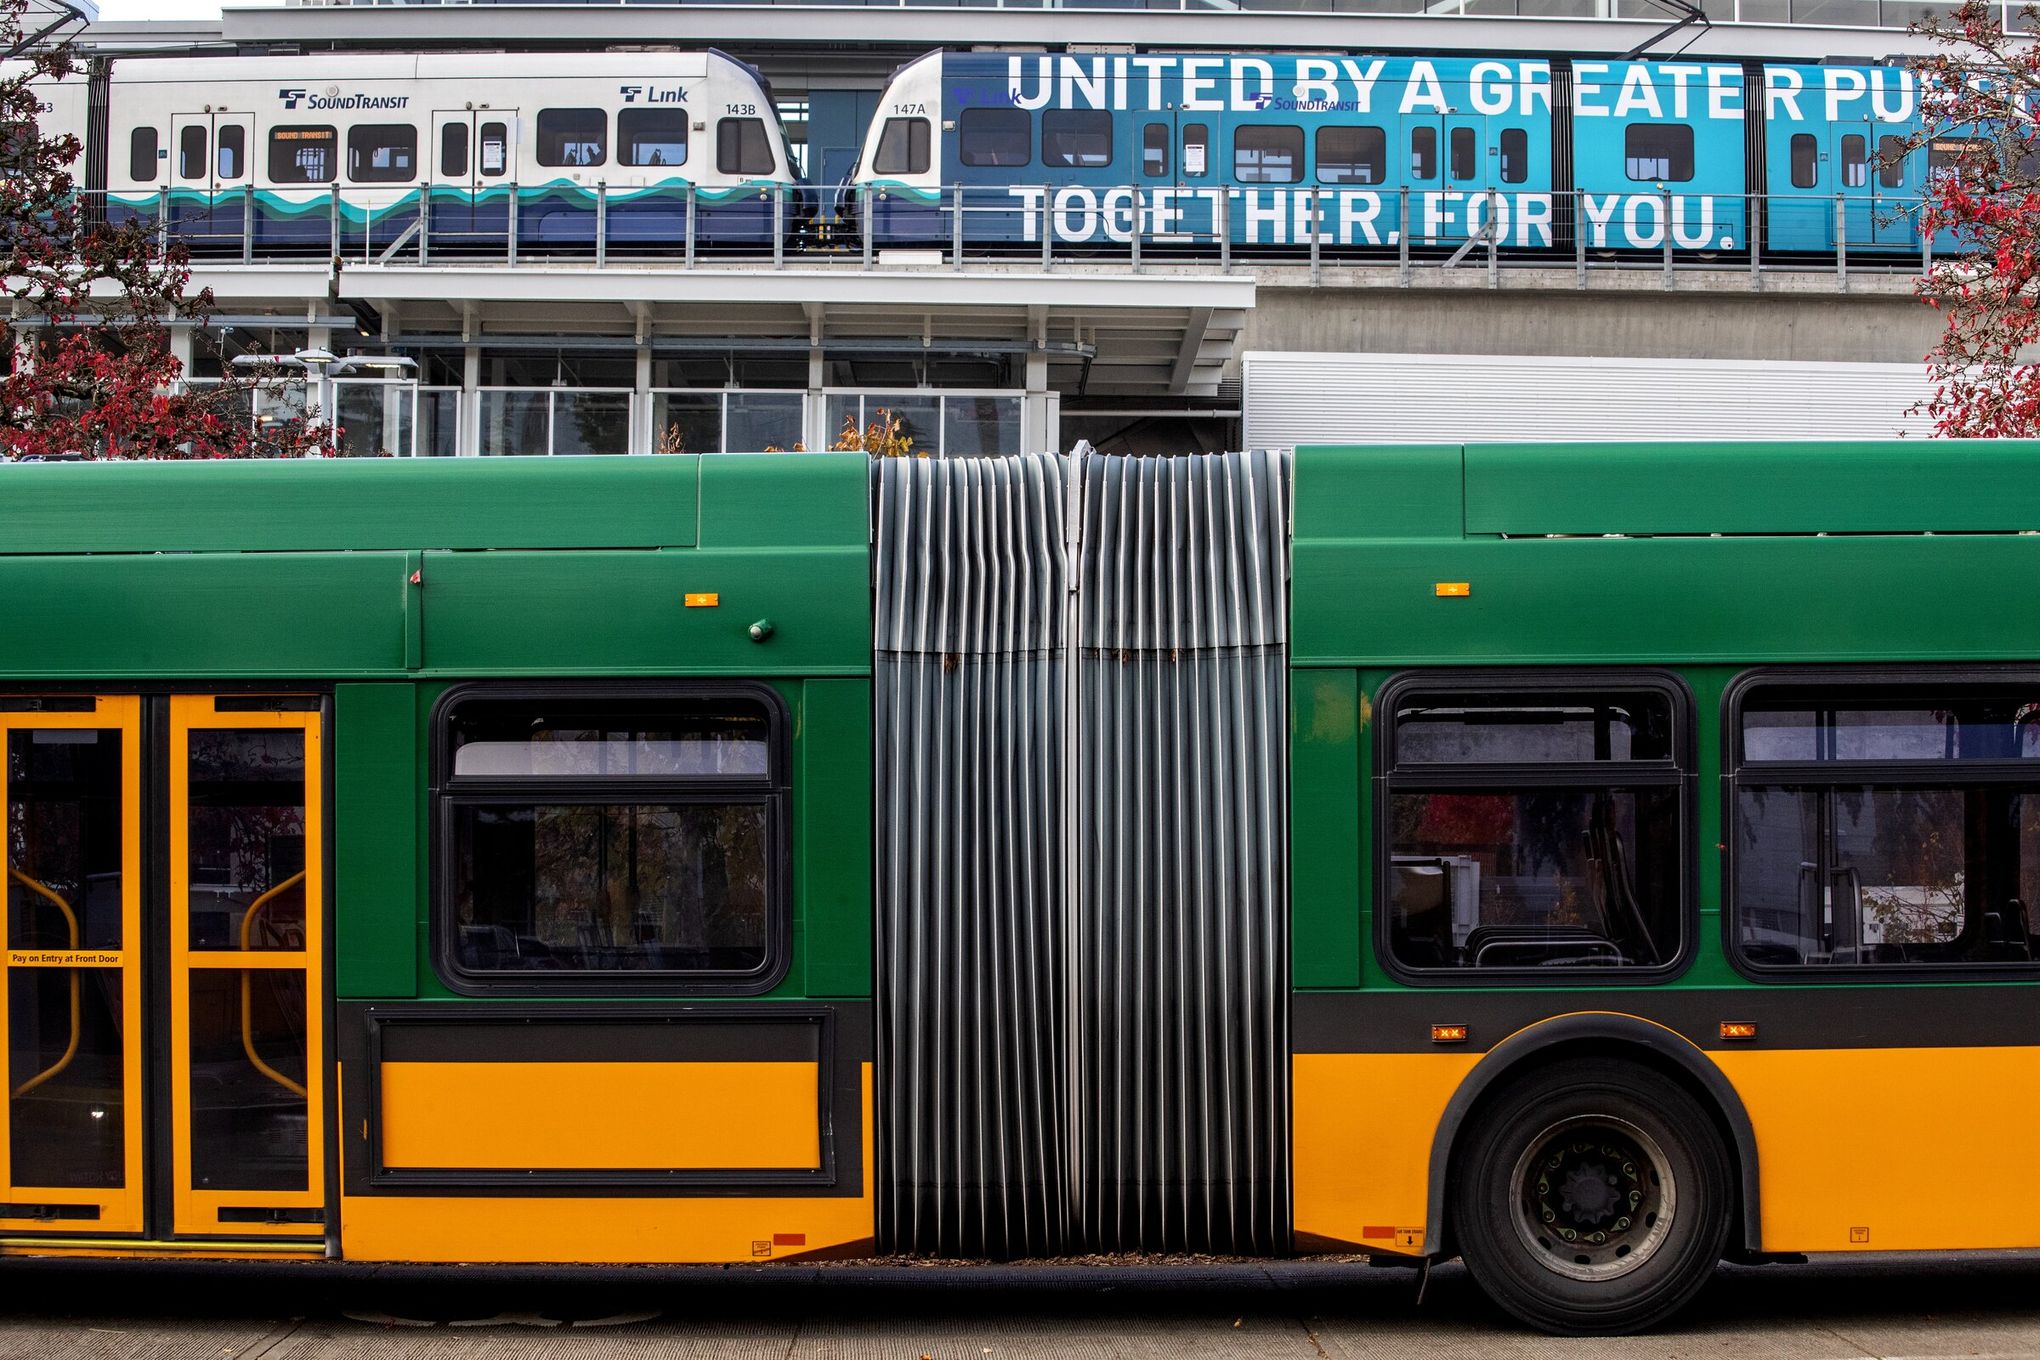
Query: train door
472, 175
1453, 165
1855, 182
209, 175
164, 969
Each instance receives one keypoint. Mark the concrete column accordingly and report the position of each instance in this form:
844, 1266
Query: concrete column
643, 438
469, 442
1040, 409
814, 426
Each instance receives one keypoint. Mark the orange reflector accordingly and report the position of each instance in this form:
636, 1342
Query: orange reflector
1453, 588
1738, 1029
705, 601
1448, 1034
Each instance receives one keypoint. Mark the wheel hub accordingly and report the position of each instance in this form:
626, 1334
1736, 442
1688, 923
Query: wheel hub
1594, 1197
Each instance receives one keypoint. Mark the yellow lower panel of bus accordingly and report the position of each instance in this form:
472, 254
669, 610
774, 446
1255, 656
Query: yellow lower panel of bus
1363, 1124
1894, 1149
650, 1229
620, 1116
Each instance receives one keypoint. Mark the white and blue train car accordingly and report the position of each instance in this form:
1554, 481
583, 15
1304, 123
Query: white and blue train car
556, 138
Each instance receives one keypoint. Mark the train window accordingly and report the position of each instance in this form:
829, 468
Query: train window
1515, 143
1196, 151
1465, 152
1855, 161
1077, 137
1352, 155
142, 149
742, 148
1805, 160
1423, 153
232, 150
1658, 151
576, 137
1267, 153
1885, 823
191, 148
995, 137
453, 151
495, 140
303, 155
1891, 162
1535, 828
1154, 150
382, 153
651, 137
630, 836
902, 147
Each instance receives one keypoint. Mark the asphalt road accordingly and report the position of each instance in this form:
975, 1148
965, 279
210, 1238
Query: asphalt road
1976, 1307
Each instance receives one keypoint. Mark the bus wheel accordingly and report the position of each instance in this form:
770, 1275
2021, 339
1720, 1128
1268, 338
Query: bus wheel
1592, 1197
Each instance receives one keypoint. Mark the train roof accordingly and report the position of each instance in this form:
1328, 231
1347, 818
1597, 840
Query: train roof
320, 66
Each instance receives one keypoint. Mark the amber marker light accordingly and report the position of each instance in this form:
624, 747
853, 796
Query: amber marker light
1453, 589
1448, 1034
707, 600
1738, 1029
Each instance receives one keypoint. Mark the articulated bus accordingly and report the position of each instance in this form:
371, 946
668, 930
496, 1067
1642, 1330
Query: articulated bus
1594, 862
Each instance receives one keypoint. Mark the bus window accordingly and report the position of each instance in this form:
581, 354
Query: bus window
1267, 153
1875, 828
1076, 137
382, 153
995, 137
1352, 155
191, 152
1534, 829
651, 137
1154, 150
232, 149
1891, 162
902, 147
142, 148
1515, 145
303, 155
453, 151
742, 147
1423, 153
1855, 161
576, 137
1805, 160
1658, 151
1196, 151
1465, 152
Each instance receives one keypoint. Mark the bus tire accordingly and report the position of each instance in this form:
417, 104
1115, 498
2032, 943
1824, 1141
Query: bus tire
1592, 1197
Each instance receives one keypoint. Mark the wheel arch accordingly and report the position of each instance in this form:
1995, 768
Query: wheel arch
1599, 1035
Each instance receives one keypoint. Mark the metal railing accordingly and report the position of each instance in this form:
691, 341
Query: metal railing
1132, 227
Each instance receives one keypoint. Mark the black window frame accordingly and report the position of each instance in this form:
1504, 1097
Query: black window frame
1462, 155
194, 145
627, 139
1512, 148
728, 150
456, 156
1299, 154
276, 143
363, 175
919, 138
1802, 149
1375, 155
1078, 123
447, 793
1679, 773
565, 137
968, 154
1424, 153
1681, 154
137, 157
1157, 145
1857, 681
234, 147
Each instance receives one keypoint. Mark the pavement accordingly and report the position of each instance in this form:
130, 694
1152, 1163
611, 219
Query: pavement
1978, 1307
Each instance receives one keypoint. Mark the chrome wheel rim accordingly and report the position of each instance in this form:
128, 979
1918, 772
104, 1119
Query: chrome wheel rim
1593, 1197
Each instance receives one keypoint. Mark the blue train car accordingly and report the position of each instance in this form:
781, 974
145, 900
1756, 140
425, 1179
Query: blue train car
1657, 147
1835, 159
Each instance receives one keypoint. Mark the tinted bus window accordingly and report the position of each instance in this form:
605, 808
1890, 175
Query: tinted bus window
1196, 151
1515, 145
576, 137
902, 147
1535, 830
1424, 153
191, 152
1658, 151
453, 151
142, 149
382, 153
1855, 161
995, 137
743, 148
1465, 153
303, 155
233, 151
1076, 137
1352, 155
1267, 153
1877, 827
1805, 160
1154, 150
651, 137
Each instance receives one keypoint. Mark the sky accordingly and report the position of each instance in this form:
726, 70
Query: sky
123, 10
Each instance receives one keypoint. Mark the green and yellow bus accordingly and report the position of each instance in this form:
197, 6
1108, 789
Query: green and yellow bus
1591, 861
